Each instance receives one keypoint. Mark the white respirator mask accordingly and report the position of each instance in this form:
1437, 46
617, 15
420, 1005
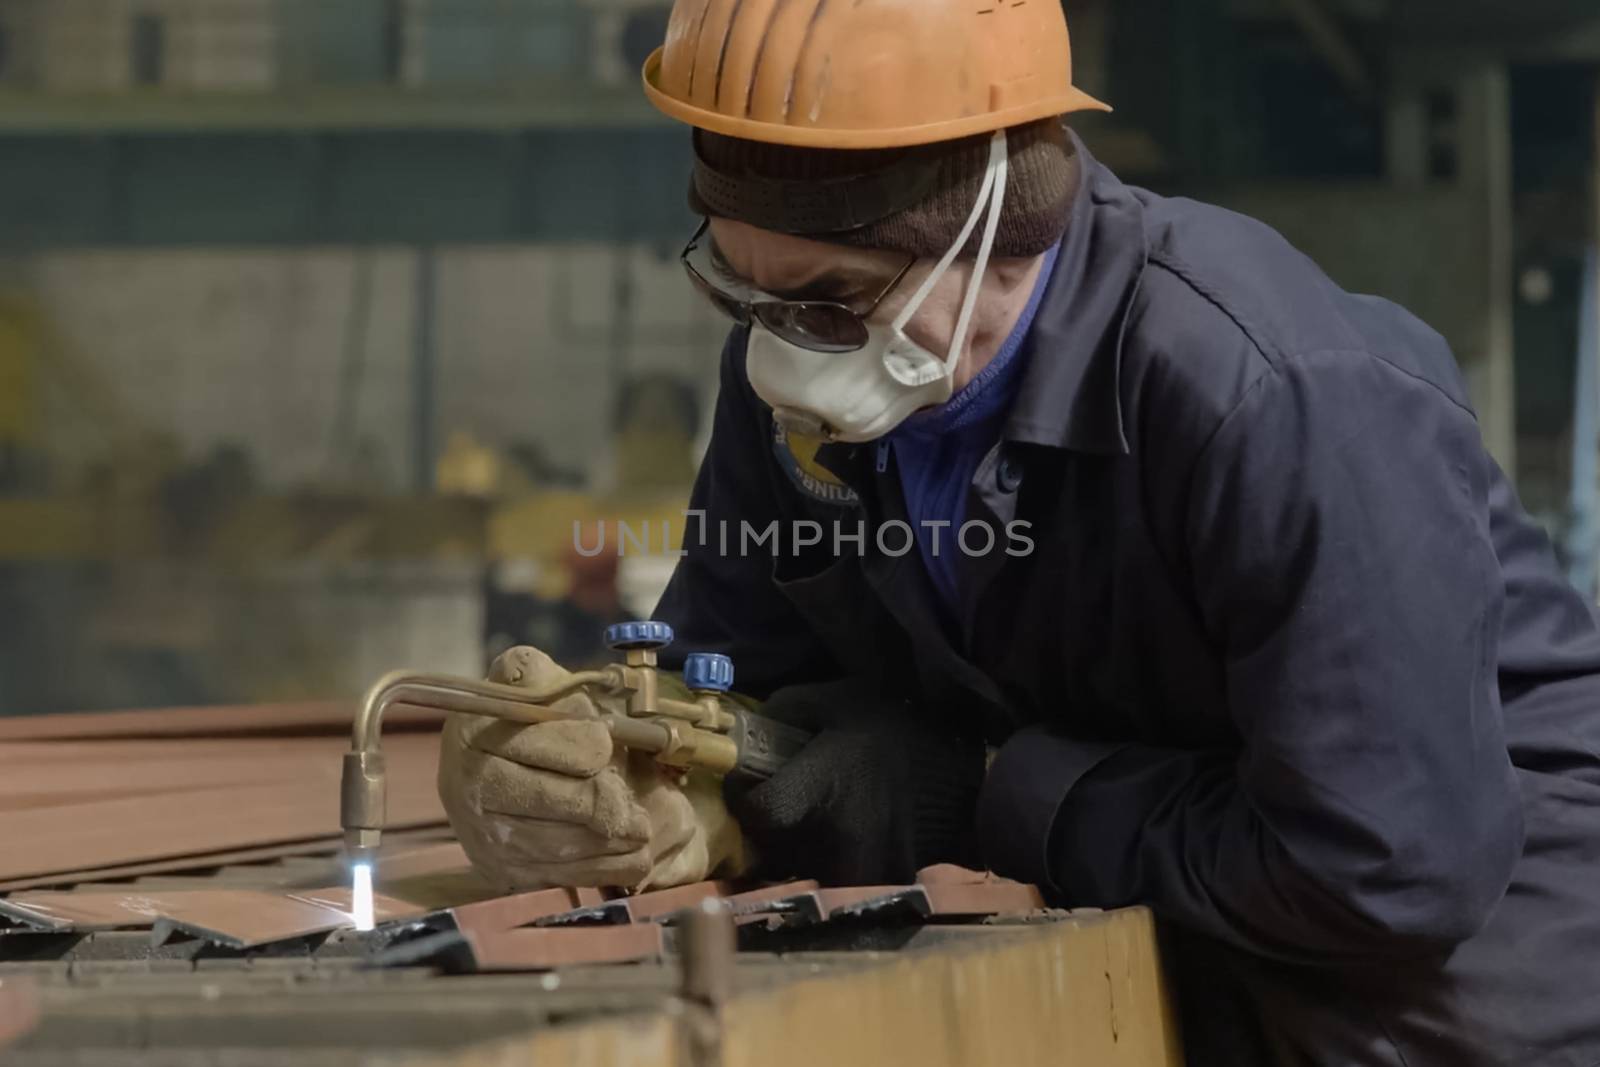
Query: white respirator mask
862, 395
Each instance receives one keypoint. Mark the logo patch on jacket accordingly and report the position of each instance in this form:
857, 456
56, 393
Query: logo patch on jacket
797, 455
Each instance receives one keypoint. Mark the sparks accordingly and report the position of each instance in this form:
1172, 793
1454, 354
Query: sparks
361, 895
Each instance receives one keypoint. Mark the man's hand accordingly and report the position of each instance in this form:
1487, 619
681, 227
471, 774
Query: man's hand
875, 796
555, 804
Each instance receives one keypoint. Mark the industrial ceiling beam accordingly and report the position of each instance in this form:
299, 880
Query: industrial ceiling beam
1333, 46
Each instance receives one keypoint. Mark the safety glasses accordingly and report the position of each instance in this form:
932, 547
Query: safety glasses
815, 325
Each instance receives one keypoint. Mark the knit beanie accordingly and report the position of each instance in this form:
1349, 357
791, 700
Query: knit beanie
911, 200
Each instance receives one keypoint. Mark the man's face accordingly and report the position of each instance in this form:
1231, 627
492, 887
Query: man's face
797, 268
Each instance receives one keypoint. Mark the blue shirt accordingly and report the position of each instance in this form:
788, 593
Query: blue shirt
938, 451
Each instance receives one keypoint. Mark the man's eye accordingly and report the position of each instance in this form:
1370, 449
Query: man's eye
727, 274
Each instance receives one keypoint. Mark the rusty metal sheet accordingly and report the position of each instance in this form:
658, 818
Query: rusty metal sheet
906, 903
754, 900
244, 918
534, 948
239, 918
955, 891
791, 904
411, 883
434, 889
660, 903
327, 845
951, 874
606, 913
1000, 897
304, 804
799, 910
945, 900
82, 911
644, 907
385, 909
68, 774
839, 899
418, 862
179, 863
521, 909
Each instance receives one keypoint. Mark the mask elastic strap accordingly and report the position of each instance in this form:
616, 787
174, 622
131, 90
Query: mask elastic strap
997, 167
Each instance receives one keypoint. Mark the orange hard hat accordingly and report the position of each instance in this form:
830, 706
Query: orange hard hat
864, 73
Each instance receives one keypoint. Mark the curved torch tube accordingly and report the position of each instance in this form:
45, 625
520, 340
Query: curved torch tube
361, 795
448, 693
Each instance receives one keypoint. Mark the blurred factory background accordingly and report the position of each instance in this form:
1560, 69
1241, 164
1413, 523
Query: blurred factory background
322, 321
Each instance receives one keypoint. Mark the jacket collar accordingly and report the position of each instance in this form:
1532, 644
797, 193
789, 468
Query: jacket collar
1070, 395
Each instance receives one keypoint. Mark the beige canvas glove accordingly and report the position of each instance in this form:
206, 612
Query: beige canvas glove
556, 805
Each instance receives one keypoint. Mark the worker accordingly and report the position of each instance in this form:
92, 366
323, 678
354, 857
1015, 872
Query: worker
1154, 568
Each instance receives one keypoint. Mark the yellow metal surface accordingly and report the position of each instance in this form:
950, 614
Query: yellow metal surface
635, 1041
1086, 991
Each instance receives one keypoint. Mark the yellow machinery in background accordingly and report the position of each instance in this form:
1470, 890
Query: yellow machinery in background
17, 358
217, 590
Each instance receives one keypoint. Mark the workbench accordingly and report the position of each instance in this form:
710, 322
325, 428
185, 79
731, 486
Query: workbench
173, 893
1057, 988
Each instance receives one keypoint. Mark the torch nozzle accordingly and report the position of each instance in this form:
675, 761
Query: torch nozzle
361, 812
357, 848
361, 804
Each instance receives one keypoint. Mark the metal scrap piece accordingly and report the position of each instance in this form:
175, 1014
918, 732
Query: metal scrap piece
243, 918
82, 912
446, 949
328, 846
756, 900
878, 902
946, 897
521, 909
481, 947
654, 906
953, 874
385, 909
647, 907
535, 948
417, 862
950, 900
790, 904
843, 897
237, 918
290, 807
605, 913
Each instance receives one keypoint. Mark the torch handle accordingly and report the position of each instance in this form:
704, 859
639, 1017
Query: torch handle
764, 744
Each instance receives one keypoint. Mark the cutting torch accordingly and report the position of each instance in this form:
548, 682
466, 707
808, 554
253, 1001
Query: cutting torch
710, 732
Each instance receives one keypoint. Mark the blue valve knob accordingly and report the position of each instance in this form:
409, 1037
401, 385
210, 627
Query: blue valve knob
708, 672
628, 636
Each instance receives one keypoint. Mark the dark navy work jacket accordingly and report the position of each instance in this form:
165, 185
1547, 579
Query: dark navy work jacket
1288, 662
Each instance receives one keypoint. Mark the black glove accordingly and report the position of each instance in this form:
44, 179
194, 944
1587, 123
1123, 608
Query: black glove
875, 795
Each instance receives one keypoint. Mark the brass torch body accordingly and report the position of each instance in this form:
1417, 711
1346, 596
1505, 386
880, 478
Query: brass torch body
680, 734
